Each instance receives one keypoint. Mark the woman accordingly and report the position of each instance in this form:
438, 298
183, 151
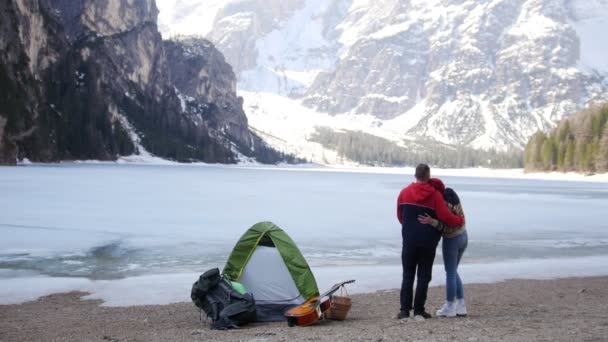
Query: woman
455, 242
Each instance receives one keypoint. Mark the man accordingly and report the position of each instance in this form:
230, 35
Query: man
420, 240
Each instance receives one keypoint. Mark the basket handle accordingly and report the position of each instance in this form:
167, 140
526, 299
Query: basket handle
343, 291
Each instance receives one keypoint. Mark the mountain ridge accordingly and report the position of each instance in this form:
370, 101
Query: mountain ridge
485, 74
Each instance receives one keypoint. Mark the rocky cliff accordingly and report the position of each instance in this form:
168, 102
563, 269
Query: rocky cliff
91, 79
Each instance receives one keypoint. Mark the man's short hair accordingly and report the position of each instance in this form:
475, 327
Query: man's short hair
423, 172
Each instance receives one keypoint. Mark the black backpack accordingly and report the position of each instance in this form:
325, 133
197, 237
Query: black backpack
227, 308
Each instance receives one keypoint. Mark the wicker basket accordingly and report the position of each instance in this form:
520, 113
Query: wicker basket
340, 306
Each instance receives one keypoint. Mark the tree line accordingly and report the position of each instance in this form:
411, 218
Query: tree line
372, 150
577, 144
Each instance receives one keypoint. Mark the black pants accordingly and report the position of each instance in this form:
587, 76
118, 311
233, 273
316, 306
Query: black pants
416, 259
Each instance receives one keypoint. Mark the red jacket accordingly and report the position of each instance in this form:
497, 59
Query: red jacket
425, 195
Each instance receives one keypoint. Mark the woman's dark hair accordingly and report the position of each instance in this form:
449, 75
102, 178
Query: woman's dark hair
450, 196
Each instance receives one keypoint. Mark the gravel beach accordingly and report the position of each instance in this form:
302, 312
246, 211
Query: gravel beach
574, 309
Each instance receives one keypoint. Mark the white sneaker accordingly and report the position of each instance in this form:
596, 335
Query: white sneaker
447, 310
461, 308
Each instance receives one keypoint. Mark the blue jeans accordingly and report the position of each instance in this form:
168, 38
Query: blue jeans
453, 249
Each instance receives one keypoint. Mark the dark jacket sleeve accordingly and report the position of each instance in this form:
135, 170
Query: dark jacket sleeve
399, 208
444, 214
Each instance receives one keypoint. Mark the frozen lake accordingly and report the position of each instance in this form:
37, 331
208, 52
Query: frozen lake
107, 228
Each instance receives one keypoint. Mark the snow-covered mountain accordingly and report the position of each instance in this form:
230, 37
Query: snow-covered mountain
484, 73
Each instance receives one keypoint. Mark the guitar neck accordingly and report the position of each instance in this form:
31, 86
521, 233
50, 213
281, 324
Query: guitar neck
335, 288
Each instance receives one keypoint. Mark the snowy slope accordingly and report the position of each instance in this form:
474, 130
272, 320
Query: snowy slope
487, 74
290, 57
187, 17
590, 20
287, 125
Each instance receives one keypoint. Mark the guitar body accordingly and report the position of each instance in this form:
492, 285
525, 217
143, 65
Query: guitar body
307, 313
311, 310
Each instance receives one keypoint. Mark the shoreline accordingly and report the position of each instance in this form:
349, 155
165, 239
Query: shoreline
568, 309
477, 172
17, 287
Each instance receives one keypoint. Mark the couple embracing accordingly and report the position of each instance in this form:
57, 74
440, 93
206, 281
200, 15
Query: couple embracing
427, 211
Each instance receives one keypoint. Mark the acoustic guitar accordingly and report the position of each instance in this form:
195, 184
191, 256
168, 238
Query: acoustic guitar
312, 310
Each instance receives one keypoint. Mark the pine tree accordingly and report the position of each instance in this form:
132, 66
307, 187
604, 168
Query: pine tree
561, 155
588, 160
579, 156
547, 155
564, 130
569, 156
601, 160
534, 152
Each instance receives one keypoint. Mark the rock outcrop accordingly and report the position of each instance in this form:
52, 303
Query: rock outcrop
93, 79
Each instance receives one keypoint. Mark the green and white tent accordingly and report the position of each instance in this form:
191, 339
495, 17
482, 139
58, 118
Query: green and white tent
270, 266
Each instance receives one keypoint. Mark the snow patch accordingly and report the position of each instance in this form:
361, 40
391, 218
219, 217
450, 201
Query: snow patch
392, 30
183, 100
24, 161
408, 120
537, 26
141, 154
